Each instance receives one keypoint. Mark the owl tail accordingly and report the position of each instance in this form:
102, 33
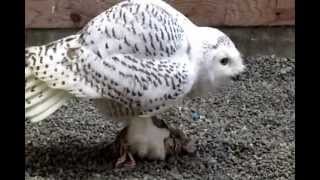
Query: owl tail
40, 100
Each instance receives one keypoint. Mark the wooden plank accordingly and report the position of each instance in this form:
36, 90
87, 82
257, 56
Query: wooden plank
75, 13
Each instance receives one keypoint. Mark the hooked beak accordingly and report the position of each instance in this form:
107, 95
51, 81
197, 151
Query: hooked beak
236, 77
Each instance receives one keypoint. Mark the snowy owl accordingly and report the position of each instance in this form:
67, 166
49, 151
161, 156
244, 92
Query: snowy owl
135, 60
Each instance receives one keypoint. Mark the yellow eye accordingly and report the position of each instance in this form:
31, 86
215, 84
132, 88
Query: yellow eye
224, 61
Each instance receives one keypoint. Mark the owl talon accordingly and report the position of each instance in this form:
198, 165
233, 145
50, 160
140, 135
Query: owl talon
126, 158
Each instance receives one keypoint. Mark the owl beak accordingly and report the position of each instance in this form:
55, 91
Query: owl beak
235, 78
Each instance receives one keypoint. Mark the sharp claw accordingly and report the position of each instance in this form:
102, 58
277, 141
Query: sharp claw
121, 160
126, 158
131, 163
126, 162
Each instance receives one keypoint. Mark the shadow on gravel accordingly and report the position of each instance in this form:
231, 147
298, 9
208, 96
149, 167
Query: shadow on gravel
60, 158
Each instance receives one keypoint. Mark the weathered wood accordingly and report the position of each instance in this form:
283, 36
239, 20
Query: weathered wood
75, 13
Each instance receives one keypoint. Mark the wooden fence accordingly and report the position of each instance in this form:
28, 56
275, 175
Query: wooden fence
75, 13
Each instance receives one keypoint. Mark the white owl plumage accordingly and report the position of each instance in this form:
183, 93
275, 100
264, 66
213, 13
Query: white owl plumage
135, 59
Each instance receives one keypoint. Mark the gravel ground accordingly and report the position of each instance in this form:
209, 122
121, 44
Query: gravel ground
246, 132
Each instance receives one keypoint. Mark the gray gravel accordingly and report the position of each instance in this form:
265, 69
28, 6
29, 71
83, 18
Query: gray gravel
246, 132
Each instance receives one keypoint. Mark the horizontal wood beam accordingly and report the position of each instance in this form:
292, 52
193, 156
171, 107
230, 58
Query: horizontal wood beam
76, 13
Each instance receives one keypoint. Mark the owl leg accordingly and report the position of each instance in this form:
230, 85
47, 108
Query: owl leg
151, 138
145, 139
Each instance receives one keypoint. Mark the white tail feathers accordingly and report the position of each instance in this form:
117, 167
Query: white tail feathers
40, 100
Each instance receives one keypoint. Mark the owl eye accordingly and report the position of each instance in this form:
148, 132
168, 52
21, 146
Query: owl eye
224, 61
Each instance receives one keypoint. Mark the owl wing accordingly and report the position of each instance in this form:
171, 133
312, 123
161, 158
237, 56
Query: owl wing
141, 28
135, 55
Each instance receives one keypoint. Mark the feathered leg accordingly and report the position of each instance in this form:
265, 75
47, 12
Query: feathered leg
150, 138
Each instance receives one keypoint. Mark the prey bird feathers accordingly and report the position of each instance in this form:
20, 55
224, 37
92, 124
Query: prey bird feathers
134, 60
